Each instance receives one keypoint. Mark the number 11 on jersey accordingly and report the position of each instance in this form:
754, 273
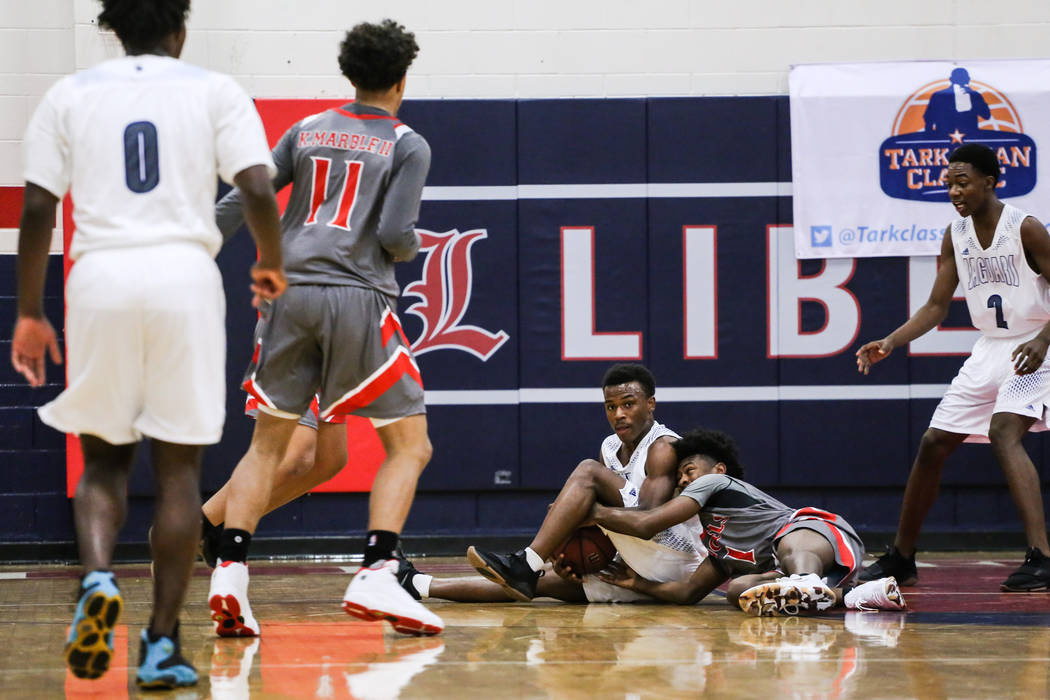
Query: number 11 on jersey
347, 196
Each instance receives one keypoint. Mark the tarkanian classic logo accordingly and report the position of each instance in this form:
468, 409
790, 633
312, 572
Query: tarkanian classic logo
444, 293
938, 118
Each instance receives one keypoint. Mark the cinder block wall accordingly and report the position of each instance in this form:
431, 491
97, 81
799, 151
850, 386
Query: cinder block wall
470, 49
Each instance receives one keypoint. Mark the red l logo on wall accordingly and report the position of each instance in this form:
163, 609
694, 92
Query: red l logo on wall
444, 293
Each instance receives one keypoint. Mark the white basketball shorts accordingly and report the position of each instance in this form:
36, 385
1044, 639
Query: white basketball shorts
650, 560
146, 347
986, 384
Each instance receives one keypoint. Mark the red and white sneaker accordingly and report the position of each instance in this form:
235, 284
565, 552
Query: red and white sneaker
375, 594
228, 600
788, 595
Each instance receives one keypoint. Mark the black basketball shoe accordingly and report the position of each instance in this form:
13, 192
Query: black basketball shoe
894, 564
512, 571
1032, 576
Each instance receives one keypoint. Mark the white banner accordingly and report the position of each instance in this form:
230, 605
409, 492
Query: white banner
870, 144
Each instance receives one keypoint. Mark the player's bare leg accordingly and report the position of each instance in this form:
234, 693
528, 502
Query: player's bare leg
374, 593
98, 512
923, 484
520, 572
919, 495
805, 551
475, 589
176, 528
312, 458
408, 450
100, 505
589, 482
1005, 433
250, 486
248, 496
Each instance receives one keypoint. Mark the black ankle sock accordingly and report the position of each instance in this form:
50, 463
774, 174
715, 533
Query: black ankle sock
207, 529
233, 545
379, 544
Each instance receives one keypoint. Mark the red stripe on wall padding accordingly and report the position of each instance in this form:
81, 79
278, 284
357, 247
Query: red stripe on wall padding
10, 206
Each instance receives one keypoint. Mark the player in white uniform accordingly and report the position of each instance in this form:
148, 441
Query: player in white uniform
1001, 257
139, 141
637, 469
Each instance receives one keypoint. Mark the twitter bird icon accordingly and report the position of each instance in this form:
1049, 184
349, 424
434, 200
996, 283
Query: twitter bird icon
820, 236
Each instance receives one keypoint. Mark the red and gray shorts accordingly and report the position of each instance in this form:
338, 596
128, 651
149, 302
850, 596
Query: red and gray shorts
342, 346
311, 419
845, 542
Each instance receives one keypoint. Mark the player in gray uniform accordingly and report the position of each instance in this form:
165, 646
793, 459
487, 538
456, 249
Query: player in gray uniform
357, 177
638, 468
752, 538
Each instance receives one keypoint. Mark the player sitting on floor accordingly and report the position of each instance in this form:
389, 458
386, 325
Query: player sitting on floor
637, 468
785, 561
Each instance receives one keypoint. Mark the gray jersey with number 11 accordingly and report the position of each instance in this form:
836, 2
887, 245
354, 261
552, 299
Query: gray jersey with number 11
357, 176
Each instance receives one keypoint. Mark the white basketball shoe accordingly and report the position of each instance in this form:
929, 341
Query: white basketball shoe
789, 595
228, 600
880, 594
375, 594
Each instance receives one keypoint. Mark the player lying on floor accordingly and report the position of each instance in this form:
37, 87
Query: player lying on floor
782, 561
806, 544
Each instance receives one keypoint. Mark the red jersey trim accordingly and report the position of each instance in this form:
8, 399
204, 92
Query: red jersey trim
396, 121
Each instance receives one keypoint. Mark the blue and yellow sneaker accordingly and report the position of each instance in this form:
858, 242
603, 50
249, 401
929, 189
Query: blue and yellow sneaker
89, 646
161, 664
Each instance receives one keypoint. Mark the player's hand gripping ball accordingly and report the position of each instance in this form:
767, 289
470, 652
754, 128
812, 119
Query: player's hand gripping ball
587, 551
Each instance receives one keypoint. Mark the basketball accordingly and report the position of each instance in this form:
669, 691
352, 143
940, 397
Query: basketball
587, 551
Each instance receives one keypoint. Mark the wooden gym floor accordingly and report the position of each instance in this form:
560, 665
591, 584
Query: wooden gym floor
961, 639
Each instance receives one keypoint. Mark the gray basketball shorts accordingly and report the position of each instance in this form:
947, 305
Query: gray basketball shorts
845, 542
309, 419
345, 344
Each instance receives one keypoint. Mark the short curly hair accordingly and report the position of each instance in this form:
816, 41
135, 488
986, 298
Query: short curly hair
978, 155
714, 444
376, 56
142, 24
625, 373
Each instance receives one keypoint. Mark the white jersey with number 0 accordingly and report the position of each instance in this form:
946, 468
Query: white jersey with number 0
1006, 297
141, 139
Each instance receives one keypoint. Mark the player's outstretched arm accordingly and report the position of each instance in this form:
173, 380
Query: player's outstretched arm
33, 336
260, 212
927, 317
661, 470
643, 524
1029, 356
705, 579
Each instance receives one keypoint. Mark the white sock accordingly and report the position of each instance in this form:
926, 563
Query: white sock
534, 560
421, 582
